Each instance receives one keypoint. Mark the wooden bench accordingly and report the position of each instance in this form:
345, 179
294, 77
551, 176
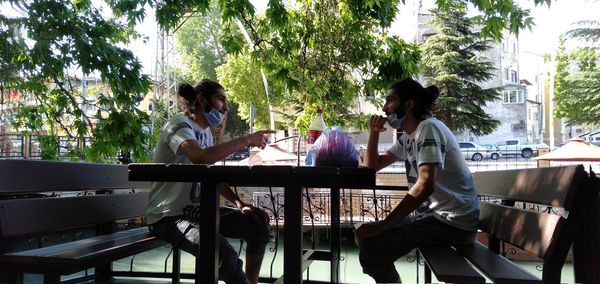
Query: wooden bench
71, 200
536, 210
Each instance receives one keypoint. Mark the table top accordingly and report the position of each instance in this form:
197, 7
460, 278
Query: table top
255, 175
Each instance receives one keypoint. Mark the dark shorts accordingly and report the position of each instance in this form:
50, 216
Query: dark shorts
183, 231
378, 253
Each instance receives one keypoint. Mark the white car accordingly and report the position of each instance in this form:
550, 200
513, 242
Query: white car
474, 151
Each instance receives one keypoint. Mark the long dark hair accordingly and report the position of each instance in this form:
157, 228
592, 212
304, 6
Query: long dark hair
205, 87
424, 97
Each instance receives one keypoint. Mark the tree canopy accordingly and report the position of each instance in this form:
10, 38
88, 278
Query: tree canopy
49, 46
323, 53
328, 53
452, 61
199, 42
577, 94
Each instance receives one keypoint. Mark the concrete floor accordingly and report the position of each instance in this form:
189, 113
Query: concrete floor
350, 270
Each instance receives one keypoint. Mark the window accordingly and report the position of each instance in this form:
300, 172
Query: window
513, 76
150, 108
506, 74
513, 97
517, 127
505, 46
465, 145
514, 48
508, 143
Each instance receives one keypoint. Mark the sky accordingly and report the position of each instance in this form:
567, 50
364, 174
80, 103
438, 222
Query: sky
554, 21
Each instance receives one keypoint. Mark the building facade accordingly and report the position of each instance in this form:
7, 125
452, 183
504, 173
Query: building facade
520, 106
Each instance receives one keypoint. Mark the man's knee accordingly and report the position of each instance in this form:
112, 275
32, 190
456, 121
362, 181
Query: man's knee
377, 262
257, 235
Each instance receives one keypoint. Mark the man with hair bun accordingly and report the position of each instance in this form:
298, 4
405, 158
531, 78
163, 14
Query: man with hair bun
440, 184
173, 206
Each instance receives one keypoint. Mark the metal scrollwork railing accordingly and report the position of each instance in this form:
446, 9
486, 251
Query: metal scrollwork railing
355, 207
539, 267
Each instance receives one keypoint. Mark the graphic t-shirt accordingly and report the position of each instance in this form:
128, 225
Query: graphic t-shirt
176, 198
454, 199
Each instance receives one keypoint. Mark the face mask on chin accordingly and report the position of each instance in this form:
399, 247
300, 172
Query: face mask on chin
396, 120
214, 117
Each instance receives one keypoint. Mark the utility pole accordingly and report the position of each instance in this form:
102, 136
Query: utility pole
165, 78
551, 100
262, 74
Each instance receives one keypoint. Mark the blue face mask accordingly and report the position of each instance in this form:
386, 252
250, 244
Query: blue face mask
214, 117
396, 120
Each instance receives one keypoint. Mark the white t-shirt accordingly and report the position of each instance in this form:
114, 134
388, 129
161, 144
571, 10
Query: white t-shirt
176, 198
454, 199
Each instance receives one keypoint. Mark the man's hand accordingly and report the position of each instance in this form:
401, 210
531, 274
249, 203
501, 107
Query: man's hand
368, 230
376, 123
246, 208
258, 138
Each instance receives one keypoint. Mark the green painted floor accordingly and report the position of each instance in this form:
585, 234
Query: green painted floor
350, 270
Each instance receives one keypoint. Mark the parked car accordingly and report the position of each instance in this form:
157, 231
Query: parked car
516, 147
474, 151
494, 153
239, 155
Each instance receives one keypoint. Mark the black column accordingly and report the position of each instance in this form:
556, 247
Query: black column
335, 234
207, 262
292, 236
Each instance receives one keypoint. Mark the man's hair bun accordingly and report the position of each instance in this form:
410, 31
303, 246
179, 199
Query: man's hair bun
433, 91
186, 91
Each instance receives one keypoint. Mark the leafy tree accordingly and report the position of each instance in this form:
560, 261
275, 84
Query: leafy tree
242, 79
327, 53
577, 95
452, 62
46, 46
236, 126
199, 42
588, 30
161, 112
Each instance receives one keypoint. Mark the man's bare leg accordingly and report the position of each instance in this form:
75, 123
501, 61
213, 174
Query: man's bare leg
253, 263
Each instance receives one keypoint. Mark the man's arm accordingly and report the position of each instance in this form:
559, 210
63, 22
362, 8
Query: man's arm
192, 150
418, 193
226, 192
422, 189
246, 208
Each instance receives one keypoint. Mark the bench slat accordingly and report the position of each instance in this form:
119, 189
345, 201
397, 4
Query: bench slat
496, 267
71, 257
548, 186
49, 214
449, 266
526, 229
27, 176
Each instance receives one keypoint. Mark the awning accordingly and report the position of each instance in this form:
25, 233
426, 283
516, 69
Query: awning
272, 154
574, 150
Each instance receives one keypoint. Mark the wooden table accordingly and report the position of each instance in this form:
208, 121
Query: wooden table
292, 179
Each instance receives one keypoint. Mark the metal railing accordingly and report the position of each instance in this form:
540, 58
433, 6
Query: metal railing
11, 146
356, 206
19, 146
